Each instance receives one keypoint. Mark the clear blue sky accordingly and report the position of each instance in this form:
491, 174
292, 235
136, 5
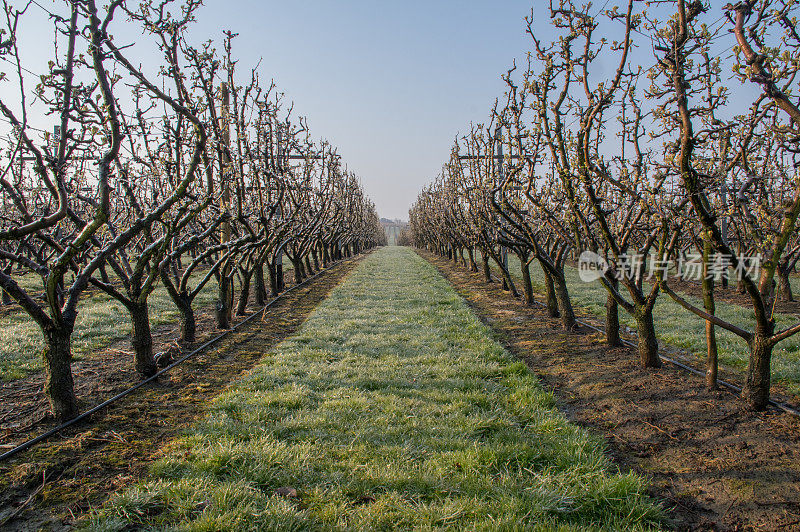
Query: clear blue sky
392, 83
389, 83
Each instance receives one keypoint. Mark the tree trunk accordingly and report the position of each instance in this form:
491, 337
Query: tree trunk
471, 254
564, 303
298, 271
326, 256
58, 386
104, 274
7, 300
315, 259
273, 279
487, 270
244, 294
508, 282
142, 340
550, 292
527, 286
224, 305
280, 278
712, 366
307, 264
756, 388
260, 287
304, 273
612, 317
187, 319
648, 342
784, 286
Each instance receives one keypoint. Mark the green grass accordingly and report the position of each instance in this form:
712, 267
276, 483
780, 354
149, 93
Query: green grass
392, 234
392, 408
681, 328
101, 321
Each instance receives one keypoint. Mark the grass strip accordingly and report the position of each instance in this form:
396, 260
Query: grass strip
101, 322
679, 327
392, 408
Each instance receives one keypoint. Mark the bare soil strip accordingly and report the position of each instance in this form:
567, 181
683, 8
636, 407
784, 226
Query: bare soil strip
716, 465
54, 484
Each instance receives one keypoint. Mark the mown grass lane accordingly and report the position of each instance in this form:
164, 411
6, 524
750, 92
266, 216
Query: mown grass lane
392, 408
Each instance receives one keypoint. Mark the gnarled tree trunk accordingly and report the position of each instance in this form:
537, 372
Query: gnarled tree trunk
315, 258
142, 340
471, 254
550, 293
564, 304
272, 272
784, 286
58, 386
326, 256
260, 286
299, 274
487, 270
244, 293
187, 319
224, 304
508, 282
648, 342
757, 385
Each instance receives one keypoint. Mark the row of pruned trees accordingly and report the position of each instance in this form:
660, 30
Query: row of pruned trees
677, 139
180, 174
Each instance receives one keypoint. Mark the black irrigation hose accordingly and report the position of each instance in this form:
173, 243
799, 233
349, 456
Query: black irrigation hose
42, 437
772, 402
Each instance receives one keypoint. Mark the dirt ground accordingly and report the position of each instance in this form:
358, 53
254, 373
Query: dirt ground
54, 484
713, 464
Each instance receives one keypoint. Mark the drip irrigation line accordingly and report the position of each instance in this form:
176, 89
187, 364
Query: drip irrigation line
772, 402
737, 389
42, 437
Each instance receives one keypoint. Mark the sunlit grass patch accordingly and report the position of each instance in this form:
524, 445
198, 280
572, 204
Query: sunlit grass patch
391, 408
101, 321
679, 327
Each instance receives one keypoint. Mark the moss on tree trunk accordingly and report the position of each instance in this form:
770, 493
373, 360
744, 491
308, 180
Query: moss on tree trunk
58, 386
